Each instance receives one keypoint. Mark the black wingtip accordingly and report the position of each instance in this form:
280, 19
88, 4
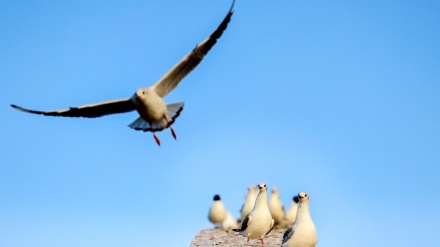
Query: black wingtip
232, 6
19, 108
236, 230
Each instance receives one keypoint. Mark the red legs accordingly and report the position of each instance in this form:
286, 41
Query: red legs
154, 135
247, 242
168, 125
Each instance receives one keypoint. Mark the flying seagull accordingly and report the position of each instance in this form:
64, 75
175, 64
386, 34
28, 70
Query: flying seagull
258, 222
154, 114
303, 232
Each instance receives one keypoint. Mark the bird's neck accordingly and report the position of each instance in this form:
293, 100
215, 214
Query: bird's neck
261, 200
303, 212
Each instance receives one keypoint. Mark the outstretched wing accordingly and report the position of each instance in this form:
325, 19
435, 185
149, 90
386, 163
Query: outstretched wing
88, 111
172, 78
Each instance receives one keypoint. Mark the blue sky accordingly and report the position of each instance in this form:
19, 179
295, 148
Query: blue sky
337, 98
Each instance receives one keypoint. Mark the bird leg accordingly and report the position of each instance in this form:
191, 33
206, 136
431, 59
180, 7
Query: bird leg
247, 242
154, 135
168, 125
262, 242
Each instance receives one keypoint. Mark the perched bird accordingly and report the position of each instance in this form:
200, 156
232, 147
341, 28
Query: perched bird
249, 201
217, 213
229, 222
290, 216
258, 222
303, 232
154, 114
276, 206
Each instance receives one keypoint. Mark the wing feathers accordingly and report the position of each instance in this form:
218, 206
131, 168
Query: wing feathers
172, 78
288, 234
88, 111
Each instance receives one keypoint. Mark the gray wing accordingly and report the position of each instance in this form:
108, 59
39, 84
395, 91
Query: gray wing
172, 78
288, 234
247, 220
88, 111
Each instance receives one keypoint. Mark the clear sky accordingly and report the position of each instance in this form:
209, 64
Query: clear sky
337, 98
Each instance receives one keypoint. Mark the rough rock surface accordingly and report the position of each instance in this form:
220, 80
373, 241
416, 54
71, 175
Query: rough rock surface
219, 237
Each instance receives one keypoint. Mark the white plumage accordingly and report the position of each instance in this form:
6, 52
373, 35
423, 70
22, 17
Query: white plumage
259, 221
303, 232
276, 206
229, 222
217, 213
290, 215
249, 201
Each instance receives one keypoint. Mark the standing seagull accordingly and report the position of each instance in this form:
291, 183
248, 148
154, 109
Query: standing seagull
155, 115
290, 216
249, 202
217, 213
303, 232
258, 222
276, 206
229, 222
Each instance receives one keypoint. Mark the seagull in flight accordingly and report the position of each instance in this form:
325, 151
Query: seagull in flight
154, 114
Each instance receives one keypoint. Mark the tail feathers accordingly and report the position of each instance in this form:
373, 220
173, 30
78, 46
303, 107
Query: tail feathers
236, 230
173, 111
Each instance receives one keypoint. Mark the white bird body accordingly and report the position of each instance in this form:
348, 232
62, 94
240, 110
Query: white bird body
303, 232
276, 206
259, 221
149, 105
155, 115
229, 222
290, 215
249, 202
217, 213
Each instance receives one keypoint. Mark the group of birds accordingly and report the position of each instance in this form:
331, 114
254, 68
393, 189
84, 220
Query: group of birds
259, 216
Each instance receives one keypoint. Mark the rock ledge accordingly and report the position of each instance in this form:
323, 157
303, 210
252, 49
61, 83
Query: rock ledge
219, 237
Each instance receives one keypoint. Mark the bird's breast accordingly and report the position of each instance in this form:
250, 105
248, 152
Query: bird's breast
151, 108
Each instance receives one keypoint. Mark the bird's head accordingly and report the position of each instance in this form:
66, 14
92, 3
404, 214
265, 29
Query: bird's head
251, 188
142, 93
274, 190
216, 198
296, 199
303, 197
262, 187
